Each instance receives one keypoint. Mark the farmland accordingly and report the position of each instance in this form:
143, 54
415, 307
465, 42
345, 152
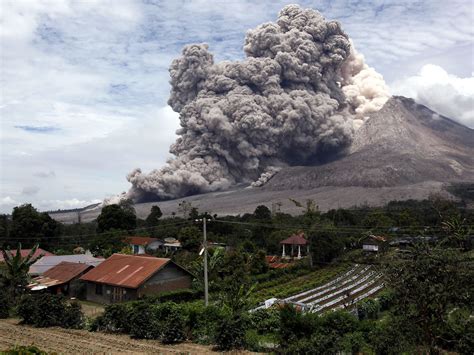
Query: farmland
70, 341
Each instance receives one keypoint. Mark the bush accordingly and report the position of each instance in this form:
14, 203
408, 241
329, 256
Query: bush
231, 332
116, 318
203, 322
46, 310
4, 304
173, 325
265, 320
24, 350
368, 309
144, 322
177, 296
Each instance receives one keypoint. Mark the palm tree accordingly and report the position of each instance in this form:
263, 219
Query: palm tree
15, 277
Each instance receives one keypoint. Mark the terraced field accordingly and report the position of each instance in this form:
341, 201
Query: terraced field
342, 292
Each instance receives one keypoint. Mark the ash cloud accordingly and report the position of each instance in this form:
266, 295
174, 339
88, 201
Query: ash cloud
298, 97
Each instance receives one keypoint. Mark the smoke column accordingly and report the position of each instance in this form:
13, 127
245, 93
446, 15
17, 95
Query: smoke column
298, 97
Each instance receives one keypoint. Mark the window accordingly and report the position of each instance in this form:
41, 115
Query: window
98, 289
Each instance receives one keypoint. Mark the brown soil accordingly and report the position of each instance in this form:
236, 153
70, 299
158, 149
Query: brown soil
66, 341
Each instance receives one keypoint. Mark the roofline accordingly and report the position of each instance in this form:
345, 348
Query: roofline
145, 279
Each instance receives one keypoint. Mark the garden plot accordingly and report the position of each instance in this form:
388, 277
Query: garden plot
344, 291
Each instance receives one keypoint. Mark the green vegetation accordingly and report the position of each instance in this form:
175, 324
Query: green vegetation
46, 310
426, 307
24, 350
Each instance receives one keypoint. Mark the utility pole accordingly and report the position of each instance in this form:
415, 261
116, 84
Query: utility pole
206, 289
204, 251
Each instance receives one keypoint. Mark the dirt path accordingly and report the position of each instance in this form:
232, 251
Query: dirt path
65, 341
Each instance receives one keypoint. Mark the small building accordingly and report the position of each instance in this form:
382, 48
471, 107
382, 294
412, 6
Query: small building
130, 277
61, 279
295, 244
47, 262
374, 243
26, 252
139, 245
171, 245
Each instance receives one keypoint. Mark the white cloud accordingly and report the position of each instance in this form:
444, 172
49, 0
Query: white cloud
7, 203
444, 93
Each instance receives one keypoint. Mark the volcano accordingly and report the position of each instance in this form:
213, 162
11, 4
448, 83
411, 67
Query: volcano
404, 151
402, 144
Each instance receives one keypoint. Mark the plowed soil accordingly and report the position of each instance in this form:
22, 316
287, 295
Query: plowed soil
66, 341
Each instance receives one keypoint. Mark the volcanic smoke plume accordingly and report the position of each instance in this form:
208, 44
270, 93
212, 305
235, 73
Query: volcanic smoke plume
298, 97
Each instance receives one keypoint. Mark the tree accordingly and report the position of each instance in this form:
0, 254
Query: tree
258, 264
190, 238
428, 284
4, 229
15, 277
116, 217
153, 218
31, 227
184, 207
263, 213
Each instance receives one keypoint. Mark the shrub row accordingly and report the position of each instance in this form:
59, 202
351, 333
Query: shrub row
46, 310
170, 322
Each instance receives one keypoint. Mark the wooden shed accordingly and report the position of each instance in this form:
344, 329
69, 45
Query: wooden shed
129, 277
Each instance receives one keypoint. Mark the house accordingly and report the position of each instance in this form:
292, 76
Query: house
139, 245
374, 243
171, 245
47, 262
25, 252
61, 279
129, 277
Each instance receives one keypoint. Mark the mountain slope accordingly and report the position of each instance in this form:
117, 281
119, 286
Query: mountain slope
404, 143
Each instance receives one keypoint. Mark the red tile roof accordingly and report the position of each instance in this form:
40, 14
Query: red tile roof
126, 270
139, 240
295, 239
25, 252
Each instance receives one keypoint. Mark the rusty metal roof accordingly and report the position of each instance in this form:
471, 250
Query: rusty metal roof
129, 271
60, 274
139, 240
295, 239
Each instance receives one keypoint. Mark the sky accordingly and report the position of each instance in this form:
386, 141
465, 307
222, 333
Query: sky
84, 84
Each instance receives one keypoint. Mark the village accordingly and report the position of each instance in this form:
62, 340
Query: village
199, 283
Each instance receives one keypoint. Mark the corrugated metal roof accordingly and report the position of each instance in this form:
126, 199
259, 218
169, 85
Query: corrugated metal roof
139, 240
60, 274
47, 262
126, 270
25, 252
66, 271
295, 239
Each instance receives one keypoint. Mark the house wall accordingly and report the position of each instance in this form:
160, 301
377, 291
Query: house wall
370, 247
106, 297
141, 249
170, 278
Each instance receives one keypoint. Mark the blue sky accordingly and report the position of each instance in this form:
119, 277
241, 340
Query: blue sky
84, 84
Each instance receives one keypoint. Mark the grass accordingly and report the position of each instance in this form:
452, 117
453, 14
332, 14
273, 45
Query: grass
91, 309
290, 285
